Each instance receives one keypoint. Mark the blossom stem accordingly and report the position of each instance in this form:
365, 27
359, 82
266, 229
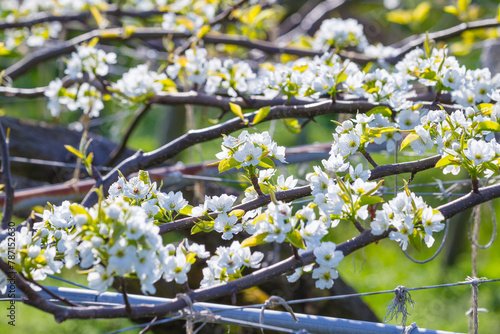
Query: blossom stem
369, 158
295, 252
358, 226
475, 185
128, 308
255, 184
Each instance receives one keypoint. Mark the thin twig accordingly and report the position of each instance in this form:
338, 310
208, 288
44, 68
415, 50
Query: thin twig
53, 295
138, 115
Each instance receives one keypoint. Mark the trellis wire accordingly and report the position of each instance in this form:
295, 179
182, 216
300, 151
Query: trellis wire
311, 323
93, 297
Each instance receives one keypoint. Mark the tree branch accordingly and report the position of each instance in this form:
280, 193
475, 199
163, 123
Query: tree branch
44, 17
312, 20
192, 137
138, 115
300, 192
8, 205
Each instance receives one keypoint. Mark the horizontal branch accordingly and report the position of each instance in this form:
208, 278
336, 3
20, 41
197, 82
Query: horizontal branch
300, 192
406, 45
44, 17
256, 278
470, 200
145, 33
142, 160
112, 34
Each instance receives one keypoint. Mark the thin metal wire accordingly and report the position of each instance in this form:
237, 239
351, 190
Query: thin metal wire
158, 322
69, 282
210, 178
53, 163
258, 325
493, 234
441, 246
363, 294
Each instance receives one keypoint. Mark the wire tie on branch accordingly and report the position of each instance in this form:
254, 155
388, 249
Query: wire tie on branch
399, 306
410, 328
193, 316
275, 300
474, 282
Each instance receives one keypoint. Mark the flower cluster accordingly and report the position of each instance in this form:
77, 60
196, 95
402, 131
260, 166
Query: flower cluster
339, 34
410, 217
249, 151
139, 83
228, 263
117, 237
465, 138
89, 61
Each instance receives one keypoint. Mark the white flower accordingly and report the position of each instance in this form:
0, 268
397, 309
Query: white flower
220, 204
176, 267
327, 256
381, 222
432, 223
250, 259
359, 173
349, 143
478, 151
335, 163
172, 201
100, 279
324, 276
136, 189
227, 225
248, 155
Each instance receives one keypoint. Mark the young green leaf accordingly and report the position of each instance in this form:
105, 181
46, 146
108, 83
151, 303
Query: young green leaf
254, 240
488, 126
74, 151
408, 139
384, 111
295, 239
261, 114
236, 109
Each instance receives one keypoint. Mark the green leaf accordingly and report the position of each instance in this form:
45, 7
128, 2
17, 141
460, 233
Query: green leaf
431, 75
266, 162
77, 209
379, 183
498, 13
74, 151
254, 240
227, 164
186, 210
452, 10
399, 16
444, 161
202, 226
89, 159
295, 239
292, 125
463, 5
488, 126
485, 108
416, 241
236, 109
144, 176
421, 11
261, 114
367, 200
408, 139
384, 111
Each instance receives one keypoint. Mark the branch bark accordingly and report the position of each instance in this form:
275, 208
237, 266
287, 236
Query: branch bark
8, 205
